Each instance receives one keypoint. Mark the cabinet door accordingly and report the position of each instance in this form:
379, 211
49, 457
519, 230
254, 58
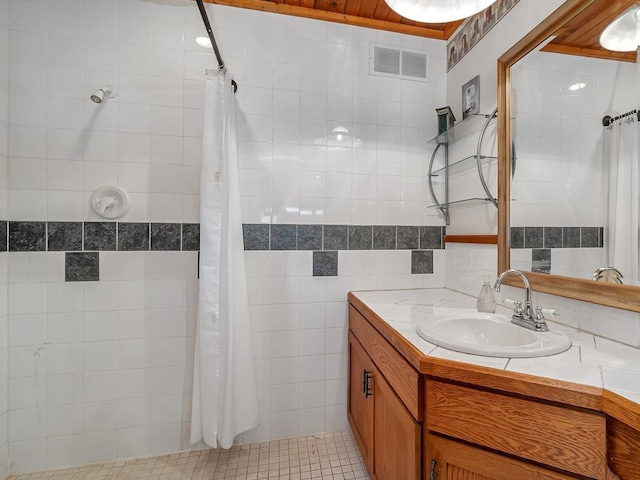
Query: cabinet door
624, 445
450, 460
396, 436
359, 401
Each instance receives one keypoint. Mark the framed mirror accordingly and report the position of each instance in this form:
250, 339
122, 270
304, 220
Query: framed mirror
555, 189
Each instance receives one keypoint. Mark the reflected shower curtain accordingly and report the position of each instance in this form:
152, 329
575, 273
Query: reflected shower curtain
225, 401
622, 150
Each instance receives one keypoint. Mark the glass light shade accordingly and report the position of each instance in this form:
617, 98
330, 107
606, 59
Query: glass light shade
437, 11
623, 34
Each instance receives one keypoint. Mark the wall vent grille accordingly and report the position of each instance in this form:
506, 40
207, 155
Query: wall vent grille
389, 61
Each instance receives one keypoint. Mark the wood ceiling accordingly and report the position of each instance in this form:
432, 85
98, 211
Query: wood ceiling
363, 13
581, 35
578, 37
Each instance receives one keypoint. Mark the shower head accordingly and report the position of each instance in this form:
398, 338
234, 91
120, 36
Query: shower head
98, 95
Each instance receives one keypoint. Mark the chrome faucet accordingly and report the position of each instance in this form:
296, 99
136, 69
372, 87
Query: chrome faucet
524, 317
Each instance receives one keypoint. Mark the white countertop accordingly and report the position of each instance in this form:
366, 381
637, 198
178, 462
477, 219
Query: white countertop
591, 360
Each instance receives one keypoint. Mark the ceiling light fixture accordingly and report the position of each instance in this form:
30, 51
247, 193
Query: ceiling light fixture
623, 34
437, 11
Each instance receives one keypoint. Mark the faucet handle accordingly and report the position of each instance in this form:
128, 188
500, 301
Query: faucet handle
516, 305
547, 312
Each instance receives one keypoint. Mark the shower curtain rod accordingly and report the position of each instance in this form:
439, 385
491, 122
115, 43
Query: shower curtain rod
214, 44
608, 120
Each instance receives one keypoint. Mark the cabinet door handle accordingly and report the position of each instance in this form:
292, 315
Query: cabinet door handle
366, 389
433, 475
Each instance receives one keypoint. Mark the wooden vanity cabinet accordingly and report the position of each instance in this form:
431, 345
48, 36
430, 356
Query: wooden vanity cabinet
359, 401
552, 435
623, 450
387, 433
451, 423
447, 459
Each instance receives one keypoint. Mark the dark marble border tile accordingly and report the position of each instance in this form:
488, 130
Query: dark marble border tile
325, 264
557, 237
165, 236
27, 236
309, 237
431, 238
191, 236
408, 237
256, 236
335, 237
533, 237
541, 260
133, 236
82, 267
421, 262
384, 237
283, 237
4, 237
571, 237
517, 237
100, 236
64, 236
589, 237
552, 237
360, 237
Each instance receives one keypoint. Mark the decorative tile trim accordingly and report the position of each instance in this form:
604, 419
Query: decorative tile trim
100, 236
557, 237
64, 236
4, 237
82, 267
133, 236
541, 260
27, 236
342, 237
165, 236
82, 241
325, 264
190, 236
421, 262
309, 237
474, 28
144, 236
335, 237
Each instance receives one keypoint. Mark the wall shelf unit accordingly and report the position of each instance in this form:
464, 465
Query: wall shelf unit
472, 125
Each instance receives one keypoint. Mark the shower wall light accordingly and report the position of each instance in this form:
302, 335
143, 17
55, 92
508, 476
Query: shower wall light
437, 11
99, 95
623, 34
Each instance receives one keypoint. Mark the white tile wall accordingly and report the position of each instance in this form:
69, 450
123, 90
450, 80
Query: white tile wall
4, 148
559, 177
88, 359
103, 370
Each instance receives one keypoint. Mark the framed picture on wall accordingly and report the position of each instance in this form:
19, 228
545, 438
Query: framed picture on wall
471, 97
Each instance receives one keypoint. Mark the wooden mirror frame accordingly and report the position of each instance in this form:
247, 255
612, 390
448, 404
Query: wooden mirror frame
618, 296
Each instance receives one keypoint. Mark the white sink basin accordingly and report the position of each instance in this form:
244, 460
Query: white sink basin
491, 335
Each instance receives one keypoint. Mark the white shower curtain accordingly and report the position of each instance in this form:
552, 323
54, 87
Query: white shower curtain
225, 401
622, 150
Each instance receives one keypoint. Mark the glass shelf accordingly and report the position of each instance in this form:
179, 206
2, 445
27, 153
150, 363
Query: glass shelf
457, 167
470, 125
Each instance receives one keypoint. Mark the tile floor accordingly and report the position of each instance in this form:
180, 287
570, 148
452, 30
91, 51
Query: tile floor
327, 456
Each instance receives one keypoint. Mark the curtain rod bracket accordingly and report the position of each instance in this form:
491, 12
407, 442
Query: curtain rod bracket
214, 45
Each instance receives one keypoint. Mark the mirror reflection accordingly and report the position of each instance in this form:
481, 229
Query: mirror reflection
575, 189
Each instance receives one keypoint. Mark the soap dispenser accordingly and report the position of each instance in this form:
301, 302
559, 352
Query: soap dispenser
486, 301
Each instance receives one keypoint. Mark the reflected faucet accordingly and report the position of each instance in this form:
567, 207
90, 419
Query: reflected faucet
524, 317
